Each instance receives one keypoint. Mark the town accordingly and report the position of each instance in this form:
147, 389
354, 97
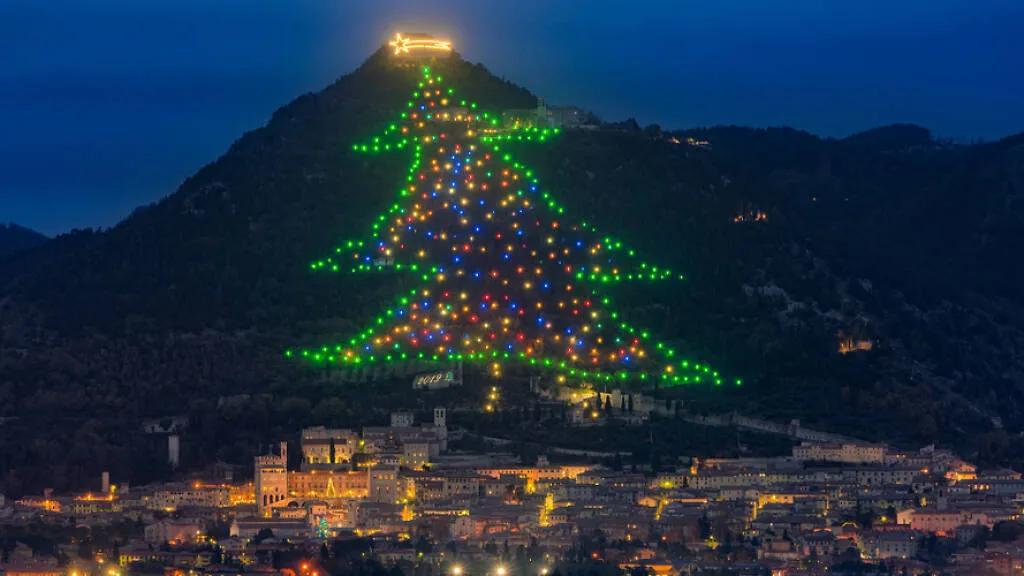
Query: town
399, 497
179, 396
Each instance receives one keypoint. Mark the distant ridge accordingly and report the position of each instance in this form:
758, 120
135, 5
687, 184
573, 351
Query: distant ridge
15, 238
891, 137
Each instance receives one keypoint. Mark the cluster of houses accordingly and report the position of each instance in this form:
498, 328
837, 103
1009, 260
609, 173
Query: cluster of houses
823, 504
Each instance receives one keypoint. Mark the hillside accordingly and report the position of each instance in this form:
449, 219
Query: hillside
792, 245
14, 238
907, 248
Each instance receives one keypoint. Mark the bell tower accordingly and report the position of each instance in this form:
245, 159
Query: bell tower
271, 483
441, 426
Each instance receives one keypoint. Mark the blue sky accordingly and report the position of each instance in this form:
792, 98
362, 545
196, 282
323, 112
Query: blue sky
109, 104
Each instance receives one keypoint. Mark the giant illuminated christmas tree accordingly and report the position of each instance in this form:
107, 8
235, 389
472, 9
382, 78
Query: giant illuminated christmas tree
505, 277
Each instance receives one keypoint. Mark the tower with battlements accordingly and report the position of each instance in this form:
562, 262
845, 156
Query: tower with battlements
271, 483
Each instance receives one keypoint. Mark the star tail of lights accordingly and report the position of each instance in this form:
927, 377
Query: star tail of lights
504, 279
415, 43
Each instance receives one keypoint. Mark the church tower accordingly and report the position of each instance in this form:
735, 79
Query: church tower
441, 426
271, 484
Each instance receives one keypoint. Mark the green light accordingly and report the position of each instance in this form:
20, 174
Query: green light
386, 343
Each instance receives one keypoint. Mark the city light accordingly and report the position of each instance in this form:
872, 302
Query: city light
456, 570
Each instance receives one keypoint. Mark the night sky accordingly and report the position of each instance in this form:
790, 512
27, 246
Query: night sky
109, 104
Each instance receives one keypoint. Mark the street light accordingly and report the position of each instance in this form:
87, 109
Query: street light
544, 571
501, 571
457, 570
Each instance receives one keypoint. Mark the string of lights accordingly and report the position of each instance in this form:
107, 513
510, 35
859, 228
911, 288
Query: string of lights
503, 277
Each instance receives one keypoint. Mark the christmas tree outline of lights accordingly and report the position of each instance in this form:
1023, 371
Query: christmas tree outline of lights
397, 232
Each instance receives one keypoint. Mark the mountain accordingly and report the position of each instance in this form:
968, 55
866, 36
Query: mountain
14, 238
891, 138
795, 247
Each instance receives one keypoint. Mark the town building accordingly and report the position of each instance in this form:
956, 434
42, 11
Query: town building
271, 473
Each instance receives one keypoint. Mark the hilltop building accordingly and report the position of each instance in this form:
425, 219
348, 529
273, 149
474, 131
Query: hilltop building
544, 116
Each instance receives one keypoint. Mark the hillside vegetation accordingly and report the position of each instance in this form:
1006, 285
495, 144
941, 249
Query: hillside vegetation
791, 244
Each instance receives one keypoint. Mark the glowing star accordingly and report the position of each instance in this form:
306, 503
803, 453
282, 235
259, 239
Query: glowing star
407, 44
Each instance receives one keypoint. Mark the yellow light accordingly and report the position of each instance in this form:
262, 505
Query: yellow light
405, 45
